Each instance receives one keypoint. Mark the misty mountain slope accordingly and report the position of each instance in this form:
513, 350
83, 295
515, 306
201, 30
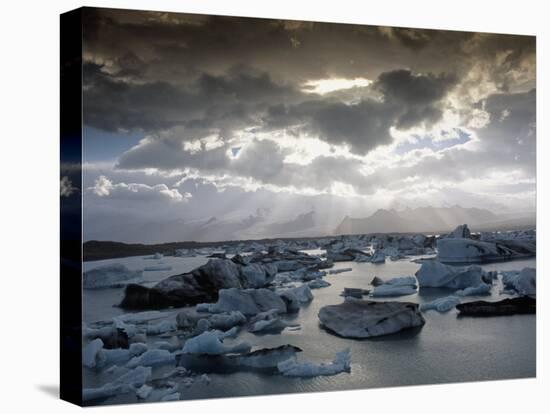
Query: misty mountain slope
422, 219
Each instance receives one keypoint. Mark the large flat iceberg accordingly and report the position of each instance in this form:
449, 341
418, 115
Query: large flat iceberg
358, 318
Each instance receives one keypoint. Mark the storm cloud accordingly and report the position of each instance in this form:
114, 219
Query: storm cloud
243, 114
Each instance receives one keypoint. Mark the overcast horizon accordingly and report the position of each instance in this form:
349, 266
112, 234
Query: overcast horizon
249, 125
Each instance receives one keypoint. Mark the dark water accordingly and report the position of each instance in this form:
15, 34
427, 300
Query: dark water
446, 349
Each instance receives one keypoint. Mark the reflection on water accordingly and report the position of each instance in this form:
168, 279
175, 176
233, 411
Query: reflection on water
446, 349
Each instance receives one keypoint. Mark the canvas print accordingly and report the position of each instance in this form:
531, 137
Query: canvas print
275, 206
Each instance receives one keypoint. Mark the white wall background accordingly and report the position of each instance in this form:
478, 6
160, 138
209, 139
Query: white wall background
29, 189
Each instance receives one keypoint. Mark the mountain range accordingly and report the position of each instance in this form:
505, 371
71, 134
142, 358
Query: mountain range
425, 219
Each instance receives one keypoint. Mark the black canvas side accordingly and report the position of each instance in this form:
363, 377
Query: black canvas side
71, 206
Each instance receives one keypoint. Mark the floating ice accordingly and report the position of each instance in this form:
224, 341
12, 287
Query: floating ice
294, 297
136, 377
436, 274
524, 282
90, 353
444, 304
162, 327
209, 343
460, 232
246, 301
358, 318
378, 257
292, 368
171, 397
144, 391
391, 290
255, 275
318, 284
151, 358
481, 289
142, 317
466, 250
111, 275
137, 348
226, 321
342, 270
398, 286
401, 281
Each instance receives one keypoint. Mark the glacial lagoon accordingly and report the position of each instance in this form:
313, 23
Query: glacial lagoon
447, 349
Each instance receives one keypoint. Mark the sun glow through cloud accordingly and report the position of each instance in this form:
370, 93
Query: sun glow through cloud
324, 86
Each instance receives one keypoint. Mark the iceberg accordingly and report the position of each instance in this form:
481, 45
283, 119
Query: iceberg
292, 368
171, 397
460, 232
110, 335
341, 270
441, 305
225, 321
268, 322
151, 358
401, 281
256, 275
209, 343
393, 290
109, 357
90, 353
378, 257
111, 275
295, 297
433, 273
187, 318
524, 282
247, 301
358, 318
120, 326
274, 325
318, 284
161, 327
136, 377
144, 391
265, 357
465, 250
397, 286
137, 349
481, 289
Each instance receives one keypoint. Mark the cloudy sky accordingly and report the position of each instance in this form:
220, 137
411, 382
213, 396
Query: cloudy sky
207, 127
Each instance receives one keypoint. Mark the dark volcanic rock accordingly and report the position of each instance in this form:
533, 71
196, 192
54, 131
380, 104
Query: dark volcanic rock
358, 318
512, 306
